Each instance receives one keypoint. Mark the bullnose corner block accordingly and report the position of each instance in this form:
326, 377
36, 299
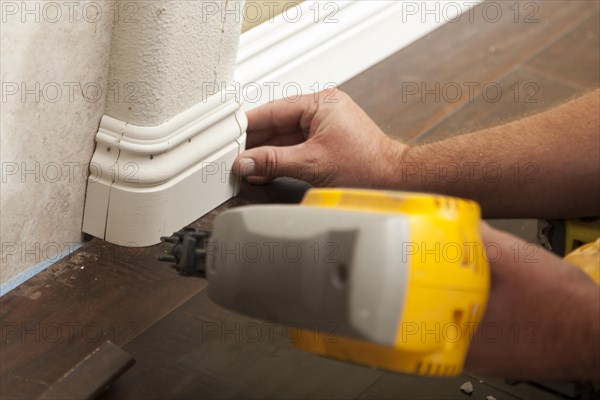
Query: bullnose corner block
147, 182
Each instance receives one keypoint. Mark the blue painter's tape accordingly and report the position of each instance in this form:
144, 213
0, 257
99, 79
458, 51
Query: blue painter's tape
22, 277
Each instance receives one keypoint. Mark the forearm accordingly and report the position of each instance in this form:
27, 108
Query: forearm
546, 165
557, 341
543, 316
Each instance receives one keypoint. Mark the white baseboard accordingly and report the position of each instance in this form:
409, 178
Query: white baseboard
146, 182
350, 37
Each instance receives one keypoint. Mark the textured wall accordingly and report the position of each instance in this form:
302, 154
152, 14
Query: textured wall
164, 50
169, 58
47, 126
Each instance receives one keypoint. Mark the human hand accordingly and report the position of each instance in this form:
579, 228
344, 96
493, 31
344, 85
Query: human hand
542, 318
325, 139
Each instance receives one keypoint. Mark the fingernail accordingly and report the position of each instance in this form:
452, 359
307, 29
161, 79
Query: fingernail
247, 167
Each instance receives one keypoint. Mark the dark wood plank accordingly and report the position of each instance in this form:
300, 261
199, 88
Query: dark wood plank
522, 92
100, 292
464, 53
394, 386
92, 375
213, 353
522, 390
575, 57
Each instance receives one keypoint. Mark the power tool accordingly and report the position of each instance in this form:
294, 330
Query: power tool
391, 280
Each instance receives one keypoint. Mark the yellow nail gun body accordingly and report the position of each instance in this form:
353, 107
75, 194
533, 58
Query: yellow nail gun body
445, 282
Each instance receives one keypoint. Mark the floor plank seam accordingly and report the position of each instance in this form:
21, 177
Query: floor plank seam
423, 135
498, 388
558, 79
370, 386
545, 45
583, 19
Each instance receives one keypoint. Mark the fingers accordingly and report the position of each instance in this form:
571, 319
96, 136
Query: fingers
262, 164
281, 129
279, 116
287, 117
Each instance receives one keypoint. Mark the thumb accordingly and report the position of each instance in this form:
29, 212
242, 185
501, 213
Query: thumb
273, 162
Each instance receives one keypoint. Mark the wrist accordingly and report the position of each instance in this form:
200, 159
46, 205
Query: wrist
395, 154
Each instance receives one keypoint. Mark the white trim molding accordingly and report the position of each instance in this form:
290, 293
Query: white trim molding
146, 182
322, 44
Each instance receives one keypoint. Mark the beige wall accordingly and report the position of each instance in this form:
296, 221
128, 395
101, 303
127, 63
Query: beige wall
55, 81
53, 75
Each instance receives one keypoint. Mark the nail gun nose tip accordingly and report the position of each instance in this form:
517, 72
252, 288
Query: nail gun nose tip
169, 239
167, 258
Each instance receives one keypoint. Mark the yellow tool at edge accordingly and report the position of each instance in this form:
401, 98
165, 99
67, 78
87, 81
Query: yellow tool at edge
391, 280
